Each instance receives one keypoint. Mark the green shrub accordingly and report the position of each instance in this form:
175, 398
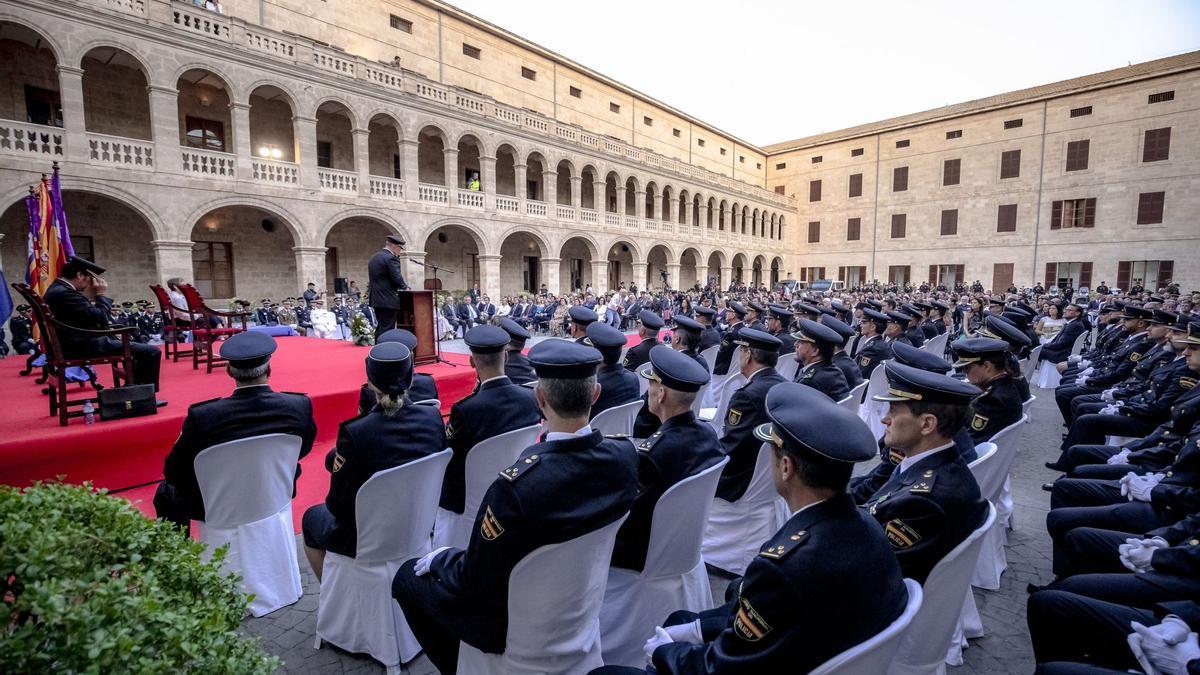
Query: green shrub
90, 585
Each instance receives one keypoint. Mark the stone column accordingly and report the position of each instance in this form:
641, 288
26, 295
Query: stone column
621, 202
658, 204
550, 269
577, 193
242, 148
639, 275
305, 130
172, 259
520, 180
736, 221
724, 218
702, 275
409, 168
599, 276
599, 197
164, 128
726, 276
70, 82
362, 160
550, 190
687, 213
452, 180
310, 265
673, 274
704, 217
487, 181
489, 275
639, 204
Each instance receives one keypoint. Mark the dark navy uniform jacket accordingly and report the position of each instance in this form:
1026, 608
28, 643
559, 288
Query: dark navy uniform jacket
368, 444
248, 411
646, 422
875, 352
929, 330
862, 487
495, 407
915, 336
1121, 363
1183, 557
617, 386
927, 510
423, 388
996, 408
558, 490
787, 350
1152, 364
683, 446
825, 378
518, 368
725, 352
1154, 405
850, 369
804, 598
746, 410
639, 355
711, 336
74, 309
1059, 348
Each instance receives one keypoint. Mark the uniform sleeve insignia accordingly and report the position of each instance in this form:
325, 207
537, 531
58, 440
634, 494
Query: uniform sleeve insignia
450, 429
490, 528
1134, 357
900, 534
748, 624
779, 550
522, 465
648, 444
978, 422
1187, 382
864, 361
338, 462
923, 486
895, 456
733, 417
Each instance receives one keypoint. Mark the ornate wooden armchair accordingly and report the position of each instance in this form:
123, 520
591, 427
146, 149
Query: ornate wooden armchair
172, 334
205, 334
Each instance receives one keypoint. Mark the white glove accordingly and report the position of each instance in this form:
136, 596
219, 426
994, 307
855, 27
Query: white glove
1121, 457
423, 563
1125, 481
1109, 409
1107, 395
1087, 371
1080, 380
685, 632
1165, 653
661, 637
1084, 363
1137, 554
1074, 358
1140, 487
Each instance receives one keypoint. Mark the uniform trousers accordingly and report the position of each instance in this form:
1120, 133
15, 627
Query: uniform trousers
1067, 627
1065, 393
440, 620
146, 358
385, 318
168, 508
1092, 429
1091, 566
1078, 455
1087, 400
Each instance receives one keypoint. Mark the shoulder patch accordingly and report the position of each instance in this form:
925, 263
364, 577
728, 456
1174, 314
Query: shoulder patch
900, 534
450, 428
1134, 356
748, 624
781, 548
338, 461
979, 422
895, 456
648, 444
520, 468
489, 527
864, 361
924, 484
1187, 382
733, 417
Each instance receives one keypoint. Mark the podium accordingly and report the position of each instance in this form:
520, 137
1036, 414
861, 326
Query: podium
416, 315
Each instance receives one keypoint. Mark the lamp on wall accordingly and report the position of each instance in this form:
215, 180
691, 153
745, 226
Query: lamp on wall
269, 151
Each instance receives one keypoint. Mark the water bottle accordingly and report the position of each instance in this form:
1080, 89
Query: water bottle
89, 413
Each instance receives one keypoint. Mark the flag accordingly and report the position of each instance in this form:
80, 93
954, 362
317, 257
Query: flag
49, 239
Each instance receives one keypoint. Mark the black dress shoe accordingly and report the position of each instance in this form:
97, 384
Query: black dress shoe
160, 403
1054, 466
1048, 487
1033, 588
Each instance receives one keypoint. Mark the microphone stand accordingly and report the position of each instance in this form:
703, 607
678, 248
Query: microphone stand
437, 343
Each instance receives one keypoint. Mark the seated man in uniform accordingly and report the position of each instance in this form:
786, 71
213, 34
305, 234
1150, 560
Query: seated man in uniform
516, 364
814, 345
571, 483
253, 409
581, 318
618, 386
649, 324
779, 324
872, 348
685, 339
805, 597
841, 359
985, 363
682, 446
932, 502
760, 353
394, 432
496, 406
77, 299
422, 388
734, 314
710, 336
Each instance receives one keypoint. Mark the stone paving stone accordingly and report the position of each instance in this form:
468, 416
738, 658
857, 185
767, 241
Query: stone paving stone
289, 632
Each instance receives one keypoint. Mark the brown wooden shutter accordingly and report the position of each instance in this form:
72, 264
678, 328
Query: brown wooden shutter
960, 271
820, 272
1051, 275
933, 270
1089, 212
1165, 269
900, 179
856, 185
814, 190
1124, 268
1002, 275
1056, 215
1085, 274
841, 274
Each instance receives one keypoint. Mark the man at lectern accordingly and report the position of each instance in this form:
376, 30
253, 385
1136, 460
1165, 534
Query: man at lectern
386, 282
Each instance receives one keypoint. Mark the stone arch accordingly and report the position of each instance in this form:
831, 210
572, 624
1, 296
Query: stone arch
507, 154
272, 126
635, 251
523, 251
235, 91
385, 116
485, 150
477, 234
716, 267
350, 239
246, 236
658, 257
577, 254
690, 261
347, 109
454, 253
432, 142
289, 220
108, 66
776, 270
113, 42
158, 227
56, 48
471, 150
739, 264
543, 244
589, 241
536, 165
290, 96
322, 232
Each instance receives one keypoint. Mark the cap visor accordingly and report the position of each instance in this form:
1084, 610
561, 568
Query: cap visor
763, 433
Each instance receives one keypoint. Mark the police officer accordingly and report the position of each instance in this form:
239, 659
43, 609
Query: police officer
734, 314
686, 338
1115, 368
932, 502
385, 276
754, 314
253, 409
841, 359
21, 326
760, 354
649, 324
581, 317
897, 328
618, 385
394, 432
998, 328
872, 347
912, 324
814, 344
937, 316
804, 597
516, 364
984, 362
710, 336
497, 405
421, 388
572, 482
779, 324
680, 447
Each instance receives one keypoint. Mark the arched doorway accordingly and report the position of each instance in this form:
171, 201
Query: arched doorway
245, 252
776, 264
757, 276
521, 255
656, 265
350, 244
116, 101
716, 273
689, 274
454, 250
739, 265
575, 265
620, 265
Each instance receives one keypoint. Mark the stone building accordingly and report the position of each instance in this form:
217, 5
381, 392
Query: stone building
1090, 180
277, 142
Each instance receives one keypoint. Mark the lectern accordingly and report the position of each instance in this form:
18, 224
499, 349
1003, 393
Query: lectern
416, 315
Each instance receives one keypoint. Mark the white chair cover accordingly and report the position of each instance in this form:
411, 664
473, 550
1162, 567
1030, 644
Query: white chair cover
872, 411
246, 486
850, 402
931, 636
787, 367
643, 385
936, 344
1026, 406
1007, 439
718, 382
617, 420
874, 655
559, 630
710, 356
394, 514
484, 462
1029, 364
1047, 376
673, 577
856, 394
716, 416
1078, 346
737, 530
698, 403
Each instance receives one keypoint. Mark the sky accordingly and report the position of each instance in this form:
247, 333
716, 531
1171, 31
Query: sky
774, 71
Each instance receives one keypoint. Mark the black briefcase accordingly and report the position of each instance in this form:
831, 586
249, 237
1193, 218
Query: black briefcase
131, 401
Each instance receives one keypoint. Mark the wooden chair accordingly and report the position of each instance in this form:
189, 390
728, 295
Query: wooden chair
204, 335
57, 363
172, 334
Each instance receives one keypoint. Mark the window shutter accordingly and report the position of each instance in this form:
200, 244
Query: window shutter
1165, 269
841, 274
1089, 213
1123, 272
933, 270
960, 272
1056, 215
820, 272
1085, 274
1051, 268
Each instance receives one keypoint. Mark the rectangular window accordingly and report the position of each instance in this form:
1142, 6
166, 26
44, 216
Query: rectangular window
856, 152
1068, 274
576, 92
758, 165
723, 152
324, 155
676, 133
853, 229
814, 232
780, 189
1077, 155
1013, 124
614, 108
951, 171
950, 135
741, 159
43, 106
900, 179
1150, 208
899, 225
647, 121
212, 265
898, 274
396, 166
84, 247
814, 190
1002, 275
473, 52
1006, 218
400, 24
1162, 97
856, 185
818, 159
949, 222
1072, 213
528, 73
1010, 164
700, 142
1148, 274
1157, 145
781, 166
902, 144
1081, 112
205, 134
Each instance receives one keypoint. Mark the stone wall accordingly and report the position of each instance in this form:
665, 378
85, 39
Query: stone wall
115, 100
25, 68
264, 264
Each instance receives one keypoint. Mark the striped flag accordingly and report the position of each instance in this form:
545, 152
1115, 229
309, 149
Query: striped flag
49, 239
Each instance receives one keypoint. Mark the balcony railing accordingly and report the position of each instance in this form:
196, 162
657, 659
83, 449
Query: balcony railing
337, 180
387, 188
651, 225
33, 140
276, 172
631, 222
612, 219
534, 207
434, 194
507, 204
208, 163
472, 199
118, 151
588, 216
564, 212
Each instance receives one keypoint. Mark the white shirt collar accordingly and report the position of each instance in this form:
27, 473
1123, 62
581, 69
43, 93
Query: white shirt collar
755, 373
1135, 336
562, 435
804, 508
491, 379
909, 461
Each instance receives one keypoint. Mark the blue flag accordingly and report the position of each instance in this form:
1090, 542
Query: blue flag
6, 303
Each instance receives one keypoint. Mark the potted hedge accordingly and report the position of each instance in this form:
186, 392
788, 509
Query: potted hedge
89, 584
